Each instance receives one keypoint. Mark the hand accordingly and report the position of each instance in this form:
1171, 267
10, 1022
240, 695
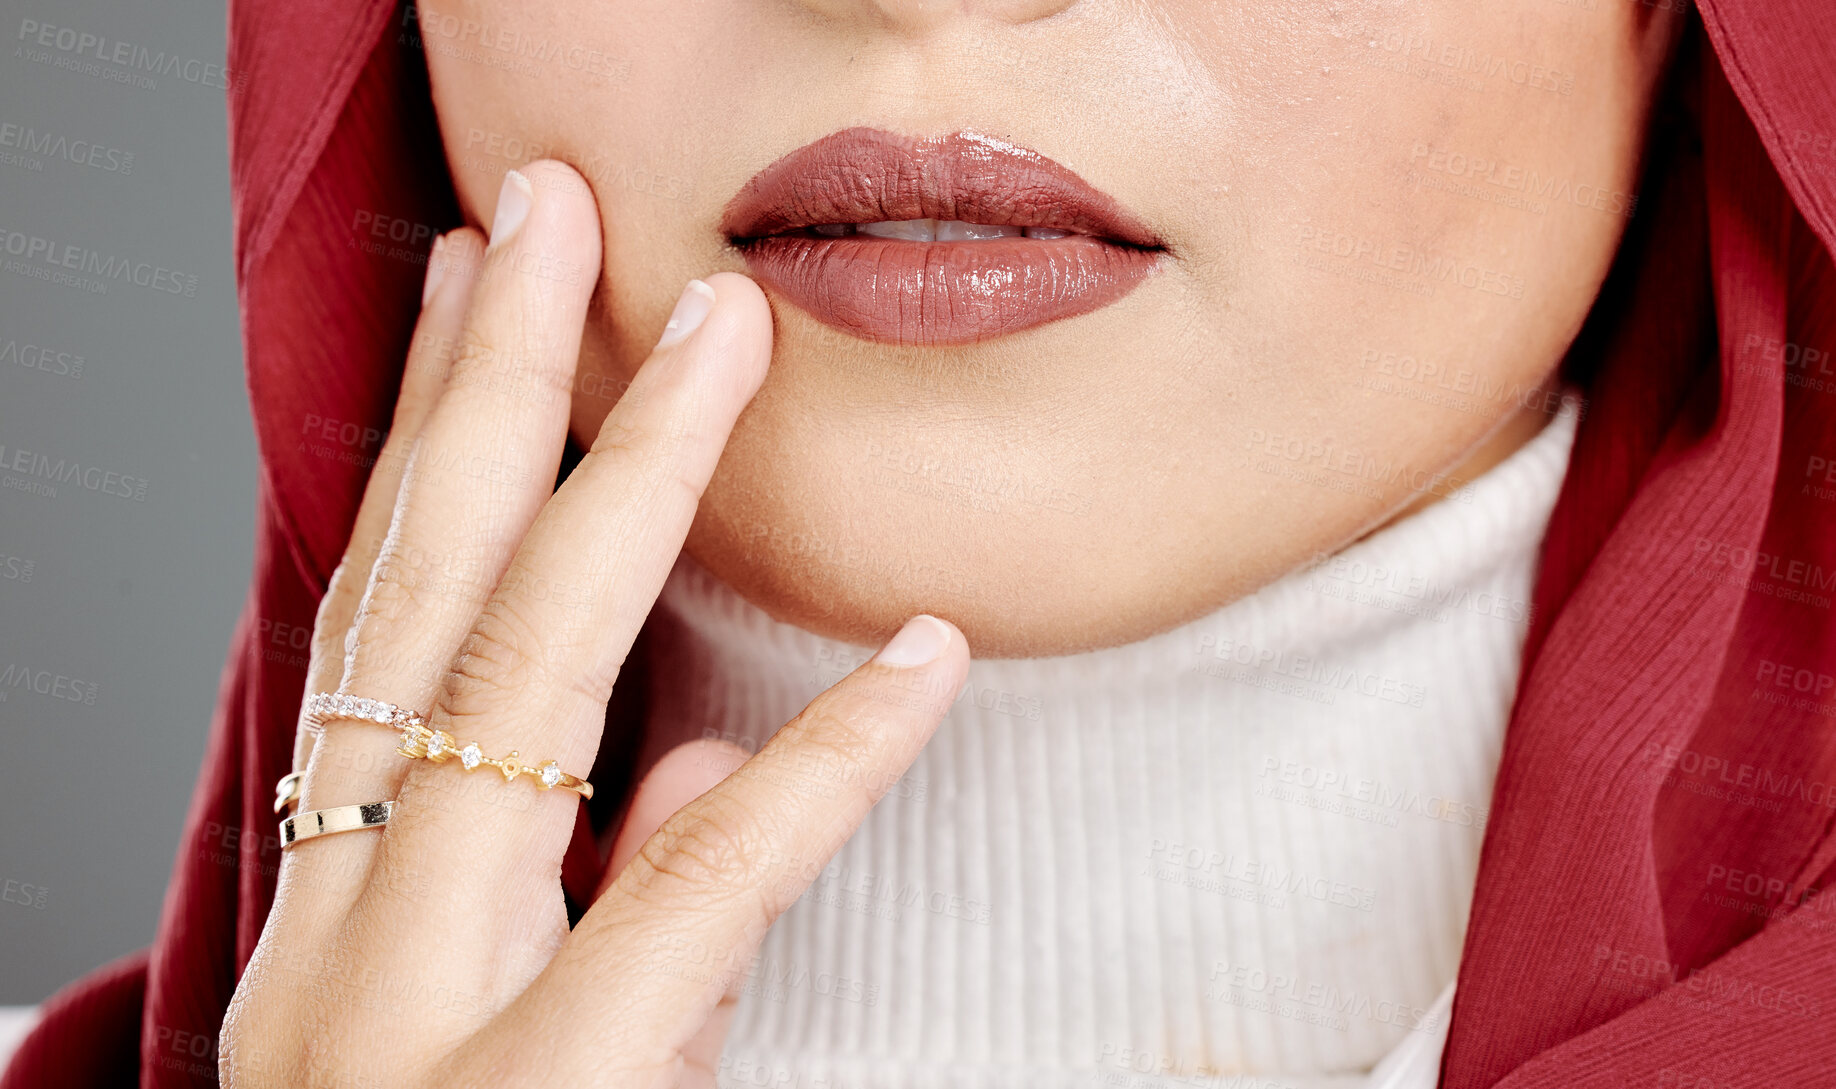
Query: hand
436, 951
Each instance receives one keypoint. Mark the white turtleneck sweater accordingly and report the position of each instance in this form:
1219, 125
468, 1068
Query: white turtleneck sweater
1237, 853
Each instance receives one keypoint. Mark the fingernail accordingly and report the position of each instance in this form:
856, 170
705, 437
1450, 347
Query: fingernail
691, 310
921, 640
513, 203
436, 271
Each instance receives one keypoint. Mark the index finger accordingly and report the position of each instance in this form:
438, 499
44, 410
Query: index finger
718, 873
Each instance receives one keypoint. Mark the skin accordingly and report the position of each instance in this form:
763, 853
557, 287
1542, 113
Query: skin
451, 915
1243, 137
1131, 458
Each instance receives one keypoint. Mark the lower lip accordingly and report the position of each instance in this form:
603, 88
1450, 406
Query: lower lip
938, 293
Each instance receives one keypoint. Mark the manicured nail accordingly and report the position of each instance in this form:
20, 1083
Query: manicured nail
921, 640
513, 203
436, 271
691, 310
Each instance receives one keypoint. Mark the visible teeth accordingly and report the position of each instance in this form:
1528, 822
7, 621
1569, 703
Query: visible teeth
936, 230
952, 230
912, 230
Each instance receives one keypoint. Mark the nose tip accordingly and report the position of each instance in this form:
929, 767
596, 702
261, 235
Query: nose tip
920, 16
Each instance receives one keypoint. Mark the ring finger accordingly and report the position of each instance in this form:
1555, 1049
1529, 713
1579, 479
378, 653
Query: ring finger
481, 467
443, 298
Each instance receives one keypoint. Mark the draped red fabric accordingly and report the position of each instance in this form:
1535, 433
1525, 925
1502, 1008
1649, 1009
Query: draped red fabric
1650, 906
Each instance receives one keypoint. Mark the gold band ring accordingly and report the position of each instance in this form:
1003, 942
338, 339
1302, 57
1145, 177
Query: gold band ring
422, 742
325, 822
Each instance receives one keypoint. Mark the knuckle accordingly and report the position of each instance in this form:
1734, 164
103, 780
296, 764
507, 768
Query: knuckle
430, 357
258, 1029
472, 355
712, 850
518, 364
835, 744
393, 600
501, 654
405, 581
392, 460
332, 622
661, 456
622, 437
273, 1035
349, 577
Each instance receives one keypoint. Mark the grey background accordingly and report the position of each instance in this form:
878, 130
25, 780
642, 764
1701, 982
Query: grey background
136, 598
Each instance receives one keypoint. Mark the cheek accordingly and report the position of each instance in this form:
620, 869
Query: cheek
567, 80
571, 80
1436, 183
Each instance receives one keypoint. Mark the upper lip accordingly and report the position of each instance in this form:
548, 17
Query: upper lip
866, 175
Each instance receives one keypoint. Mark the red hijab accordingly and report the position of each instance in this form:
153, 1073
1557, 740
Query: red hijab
1650, 905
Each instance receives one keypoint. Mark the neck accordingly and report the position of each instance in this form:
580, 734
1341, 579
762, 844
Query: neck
1125, 848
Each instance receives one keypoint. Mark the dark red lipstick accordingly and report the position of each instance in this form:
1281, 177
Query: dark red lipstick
947, 240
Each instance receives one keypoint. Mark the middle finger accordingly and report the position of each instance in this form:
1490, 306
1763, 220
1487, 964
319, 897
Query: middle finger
536, 671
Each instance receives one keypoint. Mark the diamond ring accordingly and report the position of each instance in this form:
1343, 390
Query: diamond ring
423, 742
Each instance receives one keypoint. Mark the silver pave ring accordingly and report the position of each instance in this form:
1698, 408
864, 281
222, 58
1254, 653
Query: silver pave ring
422, 742
323, 707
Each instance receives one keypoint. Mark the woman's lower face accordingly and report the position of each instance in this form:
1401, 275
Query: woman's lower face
1089, 317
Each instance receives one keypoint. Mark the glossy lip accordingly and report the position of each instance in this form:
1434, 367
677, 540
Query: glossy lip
935, 293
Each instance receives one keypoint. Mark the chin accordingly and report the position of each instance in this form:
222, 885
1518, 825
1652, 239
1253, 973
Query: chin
858, 578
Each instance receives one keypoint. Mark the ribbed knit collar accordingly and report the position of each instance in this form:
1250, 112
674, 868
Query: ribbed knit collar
1117, 856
